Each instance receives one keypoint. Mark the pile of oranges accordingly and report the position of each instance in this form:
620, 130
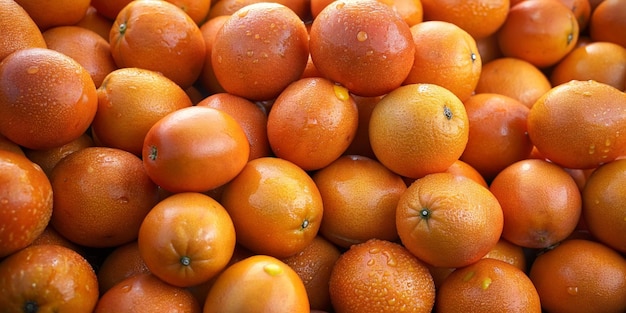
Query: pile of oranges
313, 156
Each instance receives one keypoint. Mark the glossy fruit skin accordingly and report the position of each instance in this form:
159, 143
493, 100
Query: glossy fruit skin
275, 206
26, 208
580, 276
259, 283
380, 276
578, 124
186, 239
20, 27
195, 149
51, 278
260, 50
46, 98
355, 42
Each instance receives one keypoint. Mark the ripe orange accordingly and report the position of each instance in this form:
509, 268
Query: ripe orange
488, 285
228, 7
101, 196
18, 30
608, 21
50, 236
461, 168
488, 48
96, 22
46, 98
6, 144
580, 276
259, 283
47, 278
411, 11
540, 201
603, 195
380, 276
259, 50
109, 8
579, 124
360, 144
146, 293
195, 149
84, 46
47, 159
196, 9
418, 129
445, 55
497, 133
130, 102
47, 14
186, 239
358, 192
251, 116
604, 62
312, 123
480, 18
508, 252
207, 77
374, 43
515, 78
158, 36
582, 11
541, 32
448, 221
275, 206
314, 265
26, 207
124, 261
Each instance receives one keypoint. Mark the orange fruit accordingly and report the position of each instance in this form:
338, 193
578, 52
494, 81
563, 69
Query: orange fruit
48, 278
259, 283
580, 276
480, 18
578, 124
448, 221
6, 144
259, 50
411, 11
445, 55
358, 192
196, 9
50, 236
249, 115
497, 133
207, 77
228, 7
360, 144
26, 196
582, 11
18, 29
101, 196
540, 201
195, 149
48, 14
47, 159
130, 102
515, 78
47, 99
604, 62
488, 285
541, 32
109, 8
603, 212
186, 239
461, 168
370, 38
96, 22
608, 21
318, 5
508, 252
84, 46
314, 265
312, 123
146, 293
158, 36
380, 276
488, 48
418, 129
124, 261
275, 206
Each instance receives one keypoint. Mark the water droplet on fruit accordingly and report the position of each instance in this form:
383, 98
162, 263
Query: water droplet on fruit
374, 250
272, 269
32, 70
340, 5
125, 288
361, 36
485, 283
242, 13
592, 149
392, 301
572, 290
370, 262
341, 92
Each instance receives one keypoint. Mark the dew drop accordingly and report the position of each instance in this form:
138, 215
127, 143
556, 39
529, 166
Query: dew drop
392, 301
125, 288
341, 92
485, 283
370, 262
32, 70
272, 269
374, 250
592, 149
340, 5
572, 290
361, 36
242, 13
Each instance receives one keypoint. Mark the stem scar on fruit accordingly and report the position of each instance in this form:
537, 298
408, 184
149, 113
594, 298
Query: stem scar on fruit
304, 224
185, 260
122, 28
31, 307
447, 112
152, 155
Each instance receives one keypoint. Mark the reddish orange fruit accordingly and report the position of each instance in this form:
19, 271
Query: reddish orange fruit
480, 18
18, 29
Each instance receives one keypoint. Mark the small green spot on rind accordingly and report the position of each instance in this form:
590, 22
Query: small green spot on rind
273, 269
468, 276
485, 283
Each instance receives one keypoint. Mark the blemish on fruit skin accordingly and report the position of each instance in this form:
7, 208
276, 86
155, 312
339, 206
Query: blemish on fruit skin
468, 276
447, 112
485, 283
152, 155
273, 269
341, 92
